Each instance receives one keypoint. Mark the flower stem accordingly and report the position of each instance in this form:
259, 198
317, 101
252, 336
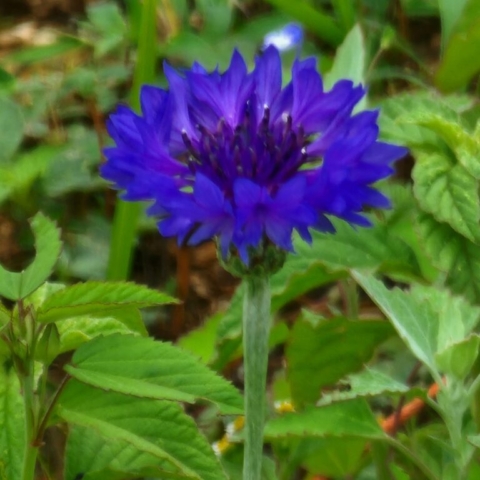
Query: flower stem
256, 327
31, 450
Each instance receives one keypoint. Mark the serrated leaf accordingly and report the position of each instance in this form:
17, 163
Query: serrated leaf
98, 458
429, 320
464, 145
372, 248
397, 111
345, 419
367, 383
319, 356
16, 286
12, 420
148, 368
79, 330
91, 298
156, 427
411, 317
448, 192
454, 254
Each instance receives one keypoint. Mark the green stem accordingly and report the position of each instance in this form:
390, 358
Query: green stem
256, 327
413, 458
31, 450
351, 294
127, 214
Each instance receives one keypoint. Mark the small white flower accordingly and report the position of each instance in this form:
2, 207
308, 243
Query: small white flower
286, 38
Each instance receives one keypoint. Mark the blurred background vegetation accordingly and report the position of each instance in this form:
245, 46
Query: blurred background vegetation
66, 64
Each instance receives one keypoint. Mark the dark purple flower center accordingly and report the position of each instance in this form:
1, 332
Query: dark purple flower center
267, 153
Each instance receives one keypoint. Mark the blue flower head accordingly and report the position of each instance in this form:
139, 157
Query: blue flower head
236, 157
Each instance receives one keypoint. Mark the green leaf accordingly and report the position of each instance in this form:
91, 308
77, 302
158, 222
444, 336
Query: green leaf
98, 458
450, 12
412, 317
367, 383
345, 419
396, 113
349, 60
464, 145
29, 55
11, 126
447, 191
146, 368
79, 330
91, 298
217, 16
460, 61
454, 254
156, 427
12, 423
18, 177
48, 346
370, 248
331, 457
429, 320
458, 359
201, 341
16, 286
319, 356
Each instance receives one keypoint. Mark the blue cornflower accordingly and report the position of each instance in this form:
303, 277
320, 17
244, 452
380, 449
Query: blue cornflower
237, 157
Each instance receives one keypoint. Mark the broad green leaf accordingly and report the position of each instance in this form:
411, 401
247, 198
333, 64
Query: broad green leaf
319, 356
464, 145
367, 383
397, 111
12, 420
201, 341
349, 60
430, 321
344, 419
17, 178
91, 298
447, 128
11, 128
16, 286
458, 358
155, 427
79, 330
147, 368
454, 254
412, 317
448, 192
450, 12
460, 61
331, 457
372, 248
98, 458
299, 274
